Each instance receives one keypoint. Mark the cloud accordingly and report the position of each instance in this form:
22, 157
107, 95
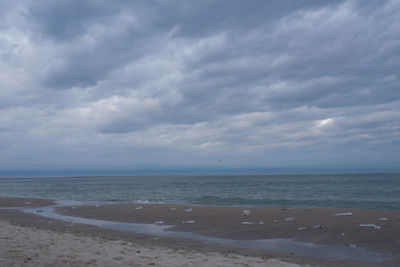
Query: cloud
236, 79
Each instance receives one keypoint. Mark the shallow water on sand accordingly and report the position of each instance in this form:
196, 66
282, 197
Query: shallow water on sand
283, 245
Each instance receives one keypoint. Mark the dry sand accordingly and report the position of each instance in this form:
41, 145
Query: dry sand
26, 246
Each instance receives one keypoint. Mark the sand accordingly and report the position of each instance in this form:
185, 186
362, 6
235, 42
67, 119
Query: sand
34, 240
24, 202
321, 226
26, 246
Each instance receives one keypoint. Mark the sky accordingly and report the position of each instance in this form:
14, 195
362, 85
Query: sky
166, 85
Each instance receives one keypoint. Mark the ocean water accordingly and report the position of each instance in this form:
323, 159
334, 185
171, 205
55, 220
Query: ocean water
365, 191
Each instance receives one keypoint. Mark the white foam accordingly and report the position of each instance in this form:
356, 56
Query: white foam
148, 202
343, 214
139, 208
318, 226
189, 222
246, 212
376, 227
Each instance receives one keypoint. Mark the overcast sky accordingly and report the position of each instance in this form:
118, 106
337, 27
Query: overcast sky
91, 85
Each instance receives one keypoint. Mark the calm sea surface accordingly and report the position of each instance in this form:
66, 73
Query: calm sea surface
366, 191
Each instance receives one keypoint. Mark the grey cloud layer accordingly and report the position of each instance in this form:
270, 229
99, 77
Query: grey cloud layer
169, 79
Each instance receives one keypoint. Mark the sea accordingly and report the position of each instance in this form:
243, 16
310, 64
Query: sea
357, 191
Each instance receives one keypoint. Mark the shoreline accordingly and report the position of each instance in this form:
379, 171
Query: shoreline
229, 222
226, 222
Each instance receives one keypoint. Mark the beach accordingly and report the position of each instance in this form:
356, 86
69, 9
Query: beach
196, 235
24, 246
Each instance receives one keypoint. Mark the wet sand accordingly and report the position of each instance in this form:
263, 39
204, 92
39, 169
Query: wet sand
226, 222
319, 226
24, 202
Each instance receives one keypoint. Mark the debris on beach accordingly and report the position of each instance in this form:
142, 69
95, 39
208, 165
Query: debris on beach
261, 223
172, 209
248, 223
139, 208
158, 222
97, 206
301, 228
188, 210
275, 221
188, 221
73, 207
289, 219
343, 234
353, 245
343, 214
246, 212
27, 203
318, 226
384, 219
376, 227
